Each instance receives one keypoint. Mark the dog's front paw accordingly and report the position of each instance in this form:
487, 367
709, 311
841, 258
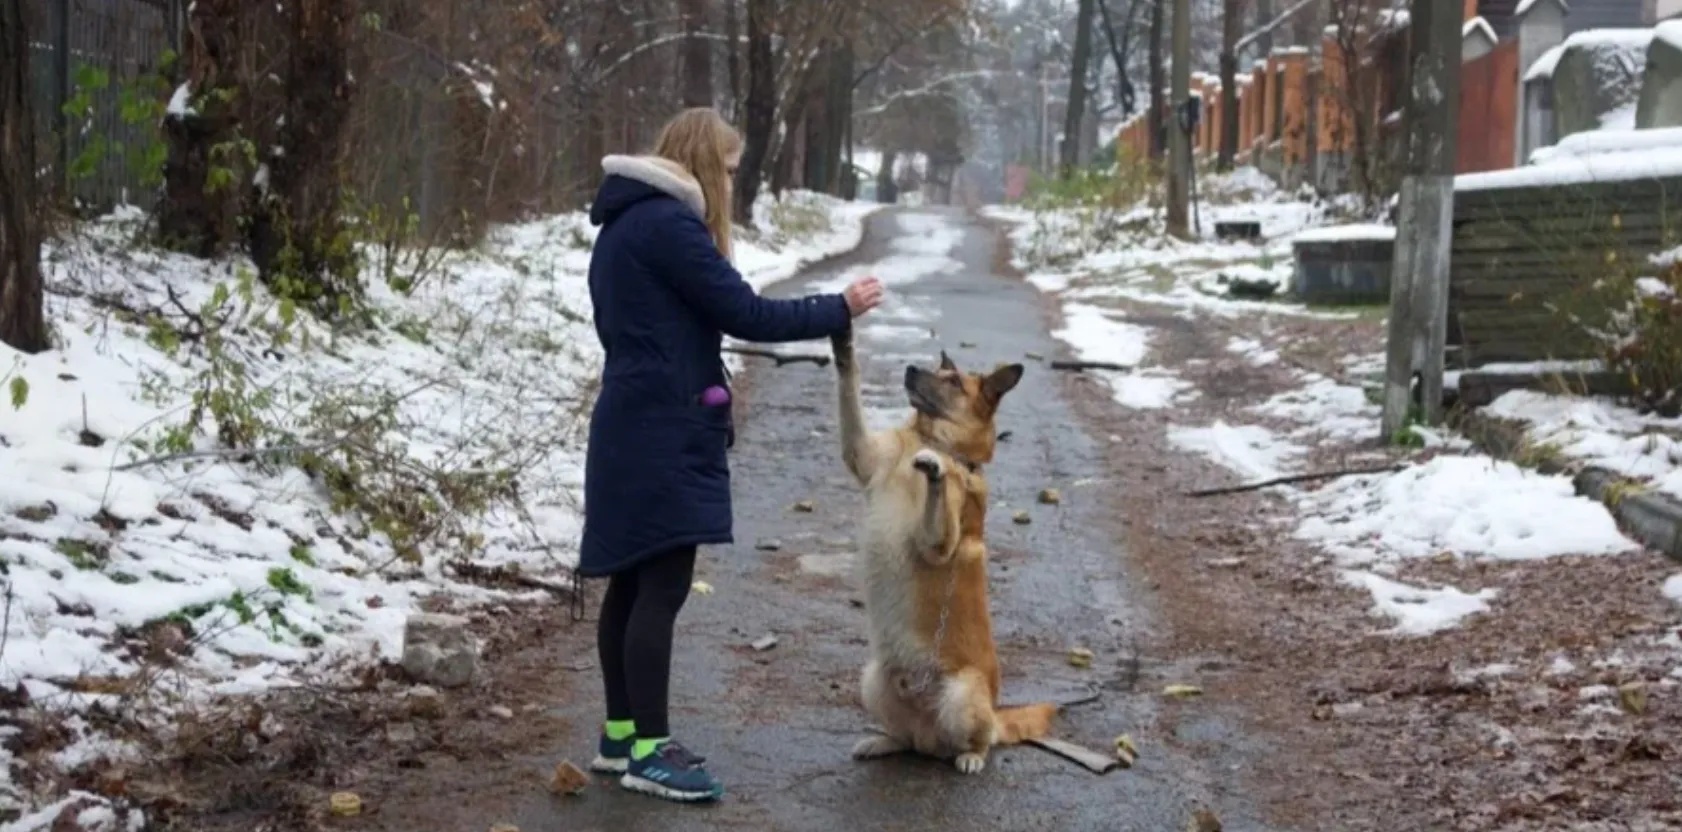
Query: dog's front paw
970, 762
928, 462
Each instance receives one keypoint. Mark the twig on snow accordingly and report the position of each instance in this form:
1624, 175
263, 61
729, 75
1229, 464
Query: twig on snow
1083, 366
1295, 478
781, 357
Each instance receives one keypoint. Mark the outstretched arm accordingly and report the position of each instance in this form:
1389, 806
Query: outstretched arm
688, 259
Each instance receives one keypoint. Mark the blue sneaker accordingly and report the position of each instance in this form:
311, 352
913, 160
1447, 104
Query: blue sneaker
673, 773
612, 756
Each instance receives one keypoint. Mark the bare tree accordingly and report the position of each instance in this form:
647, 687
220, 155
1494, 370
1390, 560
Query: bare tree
1070, 152
1232, 19
1158, 80
1352, 89
697, 55
23, 323
759, 109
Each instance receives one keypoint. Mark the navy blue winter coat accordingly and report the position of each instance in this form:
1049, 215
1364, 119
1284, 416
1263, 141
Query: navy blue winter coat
655, 476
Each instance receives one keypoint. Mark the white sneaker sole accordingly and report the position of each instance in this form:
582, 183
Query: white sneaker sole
609, 765
641, 785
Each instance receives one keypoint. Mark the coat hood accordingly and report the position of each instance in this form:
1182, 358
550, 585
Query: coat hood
633, 179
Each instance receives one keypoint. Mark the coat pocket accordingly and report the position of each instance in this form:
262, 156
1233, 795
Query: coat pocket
708, 434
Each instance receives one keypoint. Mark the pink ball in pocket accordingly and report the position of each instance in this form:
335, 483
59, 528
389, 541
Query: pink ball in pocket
715, 396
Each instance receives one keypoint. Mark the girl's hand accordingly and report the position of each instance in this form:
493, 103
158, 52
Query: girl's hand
863, 295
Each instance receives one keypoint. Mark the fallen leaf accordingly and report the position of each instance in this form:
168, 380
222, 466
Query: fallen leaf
1633, 697
1050, 496
1182, 691
1080, 657
702, 588
1203, 820
568, 779
345, 804
1126, 751
1022, 518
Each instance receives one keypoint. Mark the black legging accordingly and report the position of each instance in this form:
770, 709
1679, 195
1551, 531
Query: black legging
634, 637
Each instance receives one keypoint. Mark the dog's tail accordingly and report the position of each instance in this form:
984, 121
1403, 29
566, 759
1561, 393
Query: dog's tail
1028, 722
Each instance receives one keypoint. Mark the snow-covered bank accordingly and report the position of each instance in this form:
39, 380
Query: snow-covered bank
200, 467
1116, 275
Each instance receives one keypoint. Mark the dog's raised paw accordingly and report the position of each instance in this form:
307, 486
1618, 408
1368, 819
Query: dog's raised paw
970, 762
928, 462
877, 746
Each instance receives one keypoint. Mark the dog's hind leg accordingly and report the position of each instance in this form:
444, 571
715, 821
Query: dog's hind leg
966, 720
881, 704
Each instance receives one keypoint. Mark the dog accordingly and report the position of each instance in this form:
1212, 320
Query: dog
932, 681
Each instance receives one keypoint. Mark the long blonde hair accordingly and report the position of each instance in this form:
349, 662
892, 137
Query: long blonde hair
701, 141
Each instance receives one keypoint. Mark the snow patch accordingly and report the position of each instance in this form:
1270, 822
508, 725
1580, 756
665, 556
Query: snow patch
1251, 451
1419, 611
1466, 506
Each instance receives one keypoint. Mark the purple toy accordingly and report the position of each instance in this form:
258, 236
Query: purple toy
715, 396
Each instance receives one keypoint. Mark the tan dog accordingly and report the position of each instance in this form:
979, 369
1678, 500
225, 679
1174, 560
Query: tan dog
933, 677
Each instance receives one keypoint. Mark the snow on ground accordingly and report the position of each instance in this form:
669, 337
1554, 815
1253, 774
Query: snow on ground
120, 512
1096, 334
1598, 432
1452, 507
1458, 505
1252, 451
1673, 588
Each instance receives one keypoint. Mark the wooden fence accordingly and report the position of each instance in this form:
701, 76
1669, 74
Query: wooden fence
1526, 259
1297, 112
1489, 96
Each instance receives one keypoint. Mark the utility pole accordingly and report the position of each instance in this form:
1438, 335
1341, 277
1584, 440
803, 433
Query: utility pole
1179, 141
1419, 274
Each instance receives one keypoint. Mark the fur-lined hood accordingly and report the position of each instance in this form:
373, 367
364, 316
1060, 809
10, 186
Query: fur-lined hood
663, 174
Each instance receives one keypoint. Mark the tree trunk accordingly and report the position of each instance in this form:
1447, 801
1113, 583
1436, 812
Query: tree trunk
733, 59
697, 55
1158, 80
295, 226
23, 323
839, 98
760, 109
887, 190
1069, 154
1264, 16
198, 217
1232, 18
1118, 51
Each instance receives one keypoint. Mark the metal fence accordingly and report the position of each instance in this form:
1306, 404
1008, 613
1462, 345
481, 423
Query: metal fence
123, 40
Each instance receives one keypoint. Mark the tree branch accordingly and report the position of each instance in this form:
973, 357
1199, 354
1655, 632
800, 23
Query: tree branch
1295, 478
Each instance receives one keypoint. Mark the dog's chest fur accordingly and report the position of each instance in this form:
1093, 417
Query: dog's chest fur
896, 582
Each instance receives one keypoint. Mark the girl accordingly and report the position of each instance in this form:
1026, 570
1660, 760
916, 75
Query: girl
656, 481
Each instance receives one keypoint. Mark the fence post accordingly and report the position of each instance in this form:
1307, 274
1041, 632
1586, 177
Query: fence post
60, 23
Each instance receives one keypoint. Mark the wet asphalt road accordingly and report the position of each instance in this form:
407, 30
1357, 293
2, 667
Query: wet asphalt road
777, 726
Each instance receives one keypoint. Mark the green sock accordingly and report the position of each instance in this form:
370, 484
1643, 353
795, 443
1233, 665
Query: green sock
619, 729
645, 746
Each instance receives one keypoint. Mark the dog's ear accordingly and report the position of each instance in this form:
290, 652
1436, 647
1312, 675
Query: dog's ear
1002, 381
946, 362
